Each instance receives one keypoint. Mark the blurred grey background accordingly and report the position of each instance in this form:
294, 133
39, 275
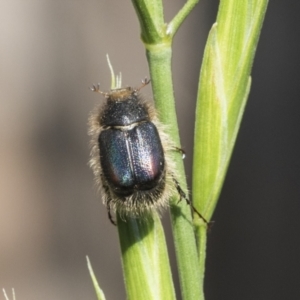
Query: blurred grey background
50, 214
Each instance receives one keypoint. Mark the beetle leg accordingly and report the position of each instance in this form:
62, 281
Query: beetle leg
180, 150
111, 219
188, 201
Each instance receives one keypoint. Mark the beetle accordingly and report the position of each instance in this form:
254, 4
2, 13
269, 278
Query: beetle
130, 154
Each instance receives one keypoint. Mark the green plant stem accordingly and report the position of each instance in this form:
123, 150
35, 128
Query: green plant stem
159, 59
201, 234
181, 16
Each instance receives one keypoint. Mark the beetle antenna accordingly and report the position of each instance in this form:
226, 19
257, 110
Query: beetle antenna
96, 88
145, 82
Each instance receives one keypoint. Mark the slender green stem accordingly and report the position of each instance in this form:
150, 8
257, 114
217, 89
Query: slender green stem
201, 233
181, 16
151, 17
184, 239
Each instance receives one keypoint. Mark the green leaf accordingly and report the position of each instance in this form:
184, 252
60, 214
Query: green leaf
223, 91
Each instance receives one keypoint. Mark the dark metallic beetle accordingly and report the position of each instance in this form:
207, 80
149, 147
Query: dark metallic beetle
130, 154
